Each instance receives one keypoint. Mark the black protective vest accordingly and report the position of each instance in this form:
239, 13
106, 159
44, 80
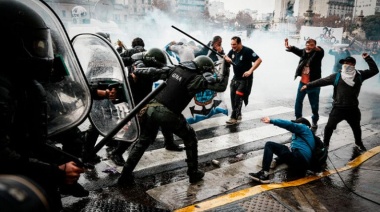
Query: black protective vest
175, 95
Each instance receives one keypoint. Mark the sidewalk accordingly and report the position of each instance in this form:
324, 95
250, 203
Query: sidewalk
311, 193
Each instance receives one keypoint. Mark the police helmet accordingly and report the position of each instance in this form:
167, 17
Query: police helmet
105, 35
204, 64
28, 39
154, 57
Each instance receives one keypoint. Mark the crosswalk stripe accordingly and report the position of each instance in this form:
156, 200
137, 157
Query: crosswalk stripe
158, 157
221, 120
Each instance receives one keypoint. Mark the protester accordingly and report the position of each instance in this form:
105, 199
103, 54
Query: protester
185, 51
138, 45
309, 69
241, 83
23, 101
338, 53
346, 93
165, 110
297, 156
142, 87
216, 45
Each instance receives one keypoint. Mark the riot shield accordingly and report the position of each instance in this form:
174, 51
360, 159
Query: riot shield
112, 100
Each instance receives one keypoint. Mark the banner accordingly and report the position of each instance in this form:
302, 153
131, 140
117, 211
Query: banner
323, 35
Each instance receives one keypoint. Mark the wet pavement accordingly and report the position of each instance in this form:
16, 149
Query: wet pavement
350, 182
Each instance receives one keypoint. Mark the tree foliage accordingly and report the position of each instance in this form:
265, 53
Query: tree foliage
244, 18
318, 21
371, 27
162, 5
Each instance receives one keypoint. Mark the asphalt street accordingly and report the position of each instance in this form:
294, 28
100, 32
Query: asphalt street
350, 182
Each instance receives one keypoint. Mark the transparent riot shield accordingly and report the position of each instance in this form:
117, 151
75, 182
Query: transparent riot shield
112, 100
67, 93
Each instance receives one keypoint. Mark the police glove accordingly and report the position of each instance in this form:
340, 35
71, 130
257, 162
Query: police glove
209, 77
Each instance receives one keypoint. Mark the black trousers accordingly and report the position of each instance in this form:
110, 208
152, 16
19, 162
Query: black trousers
352, 115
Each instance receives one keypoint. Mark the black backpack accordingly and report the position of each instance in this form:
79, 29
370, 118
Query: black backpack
319, 154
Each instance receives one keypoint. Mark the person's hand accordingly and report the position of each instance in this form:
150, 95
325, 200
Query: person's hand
365, 55
119, 43
265, 120
303, 88
134, 77
287, 43
72, 172
218, 49
227, 59
247, 74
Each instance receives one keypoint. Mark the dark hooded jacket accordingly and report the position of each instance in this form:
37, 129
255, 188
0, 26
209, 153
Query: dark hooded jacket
314, 59
344, 95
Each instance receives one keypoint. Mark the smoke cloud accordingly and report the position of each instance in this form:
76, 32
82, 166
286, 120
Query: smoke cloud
274, 79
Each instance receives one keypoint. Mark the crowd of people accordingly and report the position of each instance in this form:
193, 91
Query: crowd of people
23, 103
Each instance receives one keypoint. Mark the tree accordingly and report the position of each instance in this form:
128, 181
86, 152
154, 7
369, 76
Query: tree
244, 18
371, 27
333, 21
162, 5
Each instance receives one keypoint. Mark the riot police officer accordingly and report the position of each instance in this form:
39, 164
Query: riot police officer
25, 118
165, 110
140, 88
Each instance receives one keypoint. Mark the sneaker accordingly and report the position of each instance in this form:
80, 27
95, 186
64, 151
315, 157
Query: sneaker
261, 176
361, 147
232, 121
75, 190
196, 176
174, 147
117, 159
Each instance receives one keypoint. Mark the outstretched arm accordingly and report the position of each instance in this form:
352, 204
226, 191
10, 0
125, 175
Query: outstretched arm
373, 69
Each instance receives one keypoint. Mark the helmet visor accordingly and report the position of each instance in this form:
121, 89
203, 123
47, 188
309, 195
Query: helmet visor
38, 44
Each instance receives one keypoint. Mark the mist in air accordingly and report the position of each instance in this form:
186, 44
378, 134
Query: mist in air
274, 79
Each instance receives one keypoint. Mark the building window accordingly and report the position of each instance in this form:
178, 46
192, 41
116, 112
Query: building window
63, 13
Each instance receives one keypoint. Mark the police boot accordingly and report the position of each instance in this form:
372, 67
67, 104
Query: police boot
89, 140
195, 175
126, 179
117, 154
75, 190
169, 142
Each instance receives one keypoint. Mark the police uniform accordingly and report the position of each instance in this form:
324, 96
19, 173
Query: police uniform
165, 111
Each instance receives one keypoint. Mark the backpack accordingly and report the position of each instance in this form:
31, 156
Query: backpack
319, 155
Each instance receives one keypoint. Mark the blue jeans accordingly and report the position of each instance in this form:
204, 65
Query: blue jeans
313, 95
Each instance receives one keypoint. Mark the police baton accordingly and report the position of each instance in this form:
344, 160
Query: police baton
132, 114
202, 43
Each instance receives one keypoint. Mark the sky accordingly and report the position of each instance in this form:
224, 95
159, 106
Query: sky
262, 6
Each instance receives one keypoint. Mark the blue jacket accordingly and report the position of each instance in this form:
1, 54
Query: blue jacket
297, 142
